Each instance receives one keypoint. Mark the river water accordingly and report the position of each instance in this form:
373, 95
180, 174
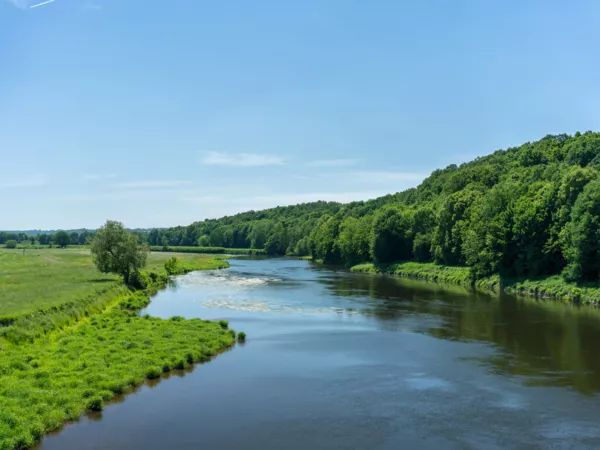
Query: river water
336, 360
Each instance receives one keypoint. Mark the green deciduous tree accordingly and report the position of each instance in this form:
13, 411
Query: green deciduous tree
62, 239
391, 239
583, 236
117, 251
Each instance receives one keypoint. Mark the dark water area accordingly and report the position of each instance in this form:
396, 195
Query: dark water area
336, 360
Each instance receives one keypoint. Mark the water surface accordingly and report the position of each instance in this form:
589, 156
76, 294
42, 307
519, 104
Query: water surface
336, 360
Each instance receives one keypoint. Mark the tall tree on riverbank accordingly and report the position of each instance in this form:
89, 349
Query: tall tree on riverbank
117, 251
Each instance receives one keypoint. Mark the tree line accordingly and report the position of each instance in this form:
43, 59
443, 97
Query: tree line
60, 238
531, 210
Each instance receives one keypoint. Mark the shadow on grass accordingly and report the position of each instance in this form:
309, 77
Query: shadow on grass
102, 280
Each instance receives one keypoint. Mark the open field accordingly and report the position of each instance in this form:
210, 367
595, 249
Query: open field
71, 338
40, 278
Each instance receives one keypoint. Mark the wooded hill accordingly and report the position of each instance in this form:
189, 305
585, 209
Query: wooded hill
526, 211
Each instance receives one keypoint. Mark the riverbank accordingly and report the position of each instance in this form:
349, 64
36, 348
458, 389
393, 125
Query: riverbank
553, 287
59, 361
209, 250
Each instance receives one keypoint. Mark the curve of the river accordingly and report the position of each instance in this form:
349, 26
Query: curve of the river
336, 360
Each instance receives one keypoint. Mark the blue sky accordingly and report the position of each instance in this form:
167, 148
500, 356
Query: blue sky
163, 113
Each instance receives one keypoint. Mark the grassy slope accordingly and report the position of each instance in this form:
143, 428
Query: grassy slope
547, 287
72, 349
48, 277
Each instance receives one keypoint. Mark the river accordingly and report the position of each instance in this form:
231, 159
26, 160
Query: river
336, 360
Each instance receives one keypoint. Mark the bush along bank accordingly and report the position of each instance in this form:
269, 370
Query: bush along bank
174, 266
209, 250
59, 375
554, 287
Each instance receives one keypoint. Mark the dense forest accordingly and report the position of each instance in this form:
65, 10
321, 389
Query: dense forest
526, 211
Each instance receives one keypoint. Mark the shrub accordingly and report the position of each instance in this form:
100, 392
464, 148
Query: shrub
153, 372
224, 324
171, 265
95, 404
241, 336
11, 244
138, 280
232, 333
190, 358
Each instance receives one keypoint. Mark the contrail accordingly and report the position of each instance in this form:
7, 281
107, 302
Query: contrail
42, 4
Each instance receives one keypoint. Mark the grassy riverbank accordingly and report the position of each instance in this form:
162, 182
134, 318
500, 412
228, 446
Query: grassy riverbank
209, 250
62, 356
553, 287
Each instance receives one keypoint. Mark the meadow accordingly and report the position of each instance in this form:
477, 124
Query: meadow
39, 278
67, 346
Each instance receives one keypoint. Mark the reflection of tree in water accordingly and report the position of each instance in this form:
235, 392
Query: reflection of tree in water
547, 342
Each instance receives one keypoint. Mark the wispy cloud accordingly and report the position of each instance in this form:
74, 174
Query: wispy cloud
383, 176
25, 182
97, 176
332, 162
205, 199
240, 159
149, 184
42, 3
267, 201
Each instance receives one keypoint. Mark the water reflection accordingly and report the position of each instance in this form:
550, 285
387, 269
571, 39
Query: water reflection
550, 343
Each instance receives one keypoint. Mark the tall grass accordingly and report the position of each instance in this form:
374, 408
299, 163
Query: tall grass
175, 266
61, 357
46, 383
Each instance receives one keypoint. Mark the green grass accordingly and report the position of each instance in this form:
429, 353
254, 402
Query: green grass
552, 287
43, 278
54, 380
69, 343
47, 277
186, 265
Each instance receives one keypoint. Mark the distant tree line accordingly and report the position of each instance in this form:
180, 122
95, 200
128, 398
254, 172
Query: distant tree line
531, 210
60, 238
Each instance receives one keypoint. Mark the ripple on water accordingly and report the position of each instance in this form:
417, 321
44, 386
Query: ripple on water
419, 382
224, 280
261, 306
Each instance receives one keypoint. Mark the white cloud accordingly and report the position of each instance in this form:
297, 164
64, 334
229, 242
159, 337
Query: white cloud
383, 176
205, 199
42, 3
25, 182
240, 159
154, 183
268, 201
97, 176
333, 162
